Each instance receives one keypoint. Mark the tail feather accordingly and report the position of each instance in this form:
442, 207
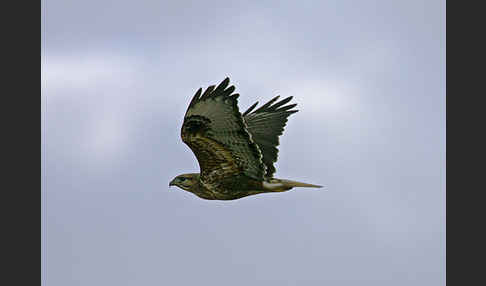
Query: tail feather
290, 183
281, 185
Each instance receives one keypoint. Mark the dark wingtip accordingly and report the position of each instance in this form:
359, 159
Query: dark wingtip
287, 107
221, 90
267, 105
196, 96
281, 102
208, 91
222, 86
229, 90
250, 108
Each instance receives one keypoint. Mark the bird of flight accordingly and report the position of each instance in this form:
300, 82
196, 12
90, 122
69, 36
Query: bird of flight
235, 151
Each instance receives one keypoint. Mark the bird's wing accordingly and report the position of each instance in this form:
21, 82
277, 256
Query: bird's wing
265, 125
214, 130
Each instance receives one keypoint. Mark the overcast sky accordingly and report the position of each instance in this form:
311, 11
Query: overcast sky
369, 80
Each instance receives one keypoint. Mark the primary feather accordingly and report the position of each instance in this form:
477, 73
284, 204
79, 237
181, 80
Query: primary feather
266, 124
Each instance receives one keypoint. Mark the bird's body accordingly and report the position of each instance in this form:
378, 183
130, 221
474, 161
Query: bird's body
235, 151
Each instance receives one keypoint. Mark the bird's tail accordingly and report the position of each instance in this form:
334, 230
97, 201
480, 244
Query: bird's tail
281, 185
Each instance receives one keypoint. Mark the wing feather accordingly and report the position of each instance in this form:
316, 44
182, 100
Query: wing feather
215, 131
266, 124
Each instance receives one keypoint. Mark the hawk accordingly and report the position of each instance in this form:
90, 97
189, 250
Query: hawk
235, 151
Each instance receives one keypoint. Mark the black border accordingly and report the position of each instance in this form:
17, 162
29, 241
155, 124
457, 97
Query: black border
21, 178
465, 145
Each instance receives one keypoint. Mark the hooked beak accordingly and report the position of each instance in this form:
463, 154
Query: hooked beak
172, 183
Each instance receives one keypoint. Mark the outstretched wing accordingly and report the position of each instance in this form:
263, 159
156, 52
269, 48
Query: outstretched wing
265, 125
214, 130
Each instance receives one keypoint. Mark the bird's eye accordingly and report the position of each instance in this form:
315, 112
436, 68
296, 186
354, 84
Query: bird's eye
182, 179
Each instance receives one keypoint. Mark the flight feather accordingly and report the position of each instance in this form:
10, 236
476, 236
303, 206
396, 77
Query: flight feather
266, 124
215, 131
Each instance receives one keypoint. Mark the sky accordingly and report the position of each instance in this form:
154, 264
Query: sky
369, 81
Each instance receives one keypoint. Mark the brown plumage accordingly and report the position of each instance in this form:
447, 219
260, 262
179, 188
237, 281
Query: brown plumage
235, 151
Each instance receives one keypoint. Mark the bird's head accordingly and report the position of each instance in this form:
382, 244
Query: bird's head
185, 181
